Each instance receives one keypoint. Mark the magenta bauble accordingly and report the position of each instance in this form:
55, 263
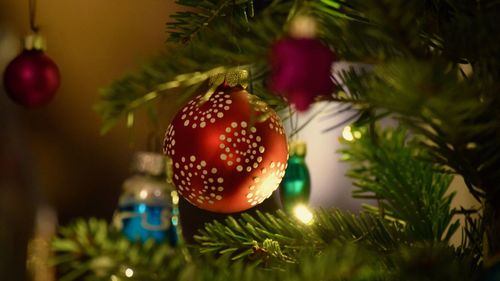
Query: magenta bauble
229, 152
301, 70
31, 79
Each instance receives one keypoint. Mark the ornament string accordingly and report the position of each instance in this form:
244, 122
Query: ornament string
32, 16
296, 123
293, 125
154, 142
309, 120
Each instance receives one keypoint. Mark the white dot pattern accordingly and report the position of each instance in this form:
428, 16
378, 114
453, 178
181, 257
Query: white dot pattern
238, 147
169, 145
212, 185
220, 103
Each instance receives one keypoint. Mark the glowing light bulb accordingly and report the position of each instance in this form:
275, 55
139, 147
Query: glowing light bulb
129, 272
143, 194
347, 134
303, 214
175, 197
357, 134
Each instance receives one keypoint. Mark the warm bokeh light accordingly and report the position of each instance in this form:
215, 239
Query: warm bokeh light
143, 194
175, 197
302, 213
356, 134
129, 272
347, 134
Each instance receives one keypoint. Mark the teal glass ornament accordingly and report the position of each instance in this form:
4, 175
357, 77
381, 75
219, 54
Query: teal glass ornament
147, 208
295, 187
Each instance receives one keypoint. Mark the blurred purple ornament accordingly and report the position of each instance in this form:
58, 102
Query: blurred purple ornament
301, 70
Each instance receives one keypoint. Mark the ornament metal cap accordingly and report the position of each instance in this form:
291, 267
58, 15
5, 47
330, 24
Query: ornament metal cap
34, 41
231, 78
298, 148
150, 163
302, 26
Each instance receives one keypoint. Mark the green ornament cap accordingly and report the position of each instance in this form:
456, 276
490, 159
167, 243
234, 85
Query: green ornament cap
298, 148
34, 41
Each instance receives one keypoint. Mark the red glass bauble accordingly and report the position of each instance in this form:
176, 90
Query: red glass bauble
31, 79
229, 152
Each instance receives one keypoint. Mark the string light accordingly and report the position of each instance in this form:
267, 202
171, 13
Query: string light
143, 194
349, 134
303, 214
357, 134
129, 272
175, 197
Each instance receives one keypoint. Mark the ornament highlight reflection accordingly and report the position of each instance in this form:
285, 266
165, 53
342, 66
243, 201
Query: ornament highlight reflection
269, 185
303, 214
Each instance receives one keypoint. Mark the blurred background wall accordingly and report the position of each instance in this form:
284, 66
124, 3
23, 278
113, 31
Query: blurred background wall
93, 42
54, 155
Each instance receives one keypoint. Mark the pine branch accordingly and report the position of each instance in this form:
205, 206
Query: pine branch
471, 246
416, 77
186, 68
432, 262
416, 46
91, 250
337, 263
88, 251
387, 167
249, 237
465, 135
207, 14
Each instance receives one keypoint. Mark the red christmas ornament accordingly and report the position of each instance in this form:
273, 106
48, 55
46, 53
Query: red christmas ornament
31, 79
229, 152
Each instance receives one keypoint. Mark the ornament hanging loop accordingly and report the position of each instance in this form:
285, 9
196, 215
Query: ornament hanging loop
32, 16
154, 142
33, 41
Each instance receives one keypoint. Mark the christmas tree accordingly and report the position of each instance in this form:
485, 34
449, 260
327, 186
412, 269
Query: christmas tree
432, 66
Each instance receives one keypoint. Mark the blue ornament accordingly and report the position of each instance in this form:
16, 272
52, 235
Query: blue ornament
147, 208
